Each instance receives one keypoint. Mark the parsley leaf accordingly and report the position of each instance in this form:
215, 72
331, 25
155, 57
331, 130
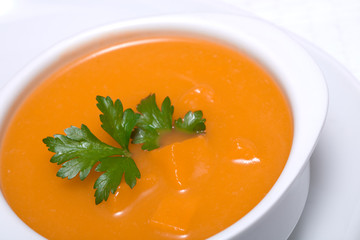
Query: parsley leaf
78, 151
192, 122
152, 121
115, 122
114, 168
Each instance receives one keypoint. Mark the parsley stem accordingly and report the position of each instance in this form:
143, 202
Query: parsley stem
126, 153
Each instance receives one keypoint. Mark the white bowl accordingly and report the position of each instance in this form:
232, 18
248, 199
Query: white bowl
298, 75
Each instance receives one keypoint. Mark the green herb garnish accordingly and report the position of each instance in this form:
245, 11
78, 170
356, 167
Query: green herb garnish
191, 123
114, 168
79, 150
152, 122
118, 124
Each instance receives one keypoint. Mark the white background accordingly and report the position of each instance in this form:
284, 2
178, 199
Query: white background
332, 25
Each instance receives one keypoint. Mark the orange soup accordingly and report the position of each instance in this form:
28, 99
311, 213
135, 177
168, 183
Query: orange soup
190, 188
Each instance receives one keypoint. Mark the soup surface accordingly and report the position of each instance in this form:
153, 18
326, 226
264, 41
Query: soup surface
189, 189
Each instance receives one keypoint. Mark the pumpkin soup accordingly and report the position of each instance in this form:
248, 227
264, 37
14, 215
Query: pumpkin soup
190, 188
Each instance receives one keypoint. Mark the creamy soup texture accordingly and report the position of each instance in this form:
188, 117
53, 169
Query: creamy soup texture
189, 188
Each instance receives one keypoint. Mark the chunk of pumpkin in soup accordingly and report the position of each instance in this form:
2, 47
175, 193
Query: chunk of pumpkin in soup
242, 151
117, 204
175, 213
183, 163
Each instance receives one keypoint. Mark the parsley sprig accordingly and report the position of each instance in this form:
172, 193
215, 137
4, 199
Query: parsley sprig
80, 150
193, 122
152, 122
118, 124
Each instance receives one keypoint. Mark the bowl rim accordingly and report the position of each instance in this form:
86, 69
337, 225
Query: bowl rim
262, 41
